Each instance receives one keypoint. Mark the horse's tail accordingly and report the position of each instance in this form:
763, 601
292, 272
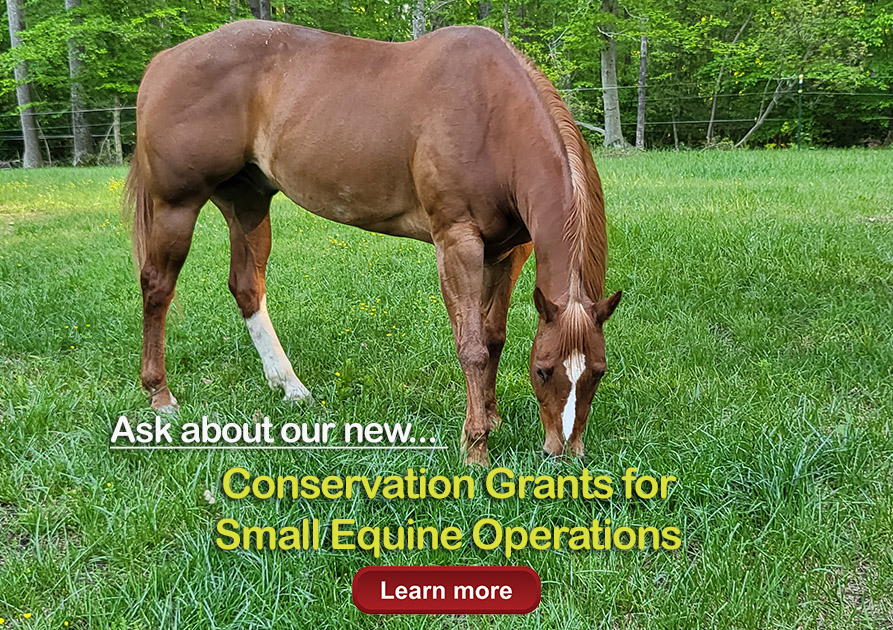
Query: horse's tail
585, 226
138, 204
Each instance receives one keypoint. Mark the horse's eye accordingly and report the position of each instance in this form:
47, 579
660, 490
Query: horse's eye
543, 374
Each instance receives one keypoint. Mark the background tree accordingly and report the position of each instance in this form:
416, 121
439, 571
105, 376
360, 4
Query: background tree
418, 18
31, 157
609, 33
80, 126
260, 9
643, 74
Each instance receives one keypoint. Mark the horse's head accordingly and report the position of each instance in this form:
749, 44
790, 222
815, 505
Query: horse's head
567, 362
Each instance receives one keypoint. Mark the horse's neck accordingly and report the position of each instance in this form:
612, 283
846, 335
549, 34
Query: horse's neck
557, 265
545, 196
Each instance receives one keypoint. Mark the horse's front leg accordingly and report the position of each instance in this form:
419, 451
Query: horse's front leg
499, 280
460, 264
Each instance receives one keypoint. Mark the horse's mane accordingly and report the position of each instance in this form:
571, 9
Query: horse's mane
585, 225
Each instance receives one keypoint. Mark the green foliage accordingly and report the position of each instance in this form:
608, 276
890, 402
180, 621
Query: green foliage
844, 49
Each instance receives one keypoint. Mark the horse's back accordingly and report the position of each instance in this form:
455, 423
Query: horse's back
244, 60
261, 68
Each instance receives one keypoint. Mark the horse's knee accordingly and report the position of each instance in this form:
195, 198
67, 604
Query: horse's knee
247, 293
472, 355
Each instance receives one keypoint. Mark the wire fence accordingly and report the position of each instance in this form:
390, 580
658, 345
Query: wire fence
54, 127
55, 131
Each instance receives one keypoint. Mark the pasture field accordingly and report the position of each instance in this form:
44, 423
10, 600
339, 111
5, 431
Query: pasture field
751, 357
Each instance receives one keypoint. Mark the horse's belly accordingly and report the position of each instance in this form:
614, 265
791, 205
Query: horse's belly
391, 215
336, 179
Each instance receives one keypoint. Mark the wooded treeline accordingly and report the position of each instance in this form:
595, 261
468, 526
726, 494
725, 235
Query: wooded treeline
649, 73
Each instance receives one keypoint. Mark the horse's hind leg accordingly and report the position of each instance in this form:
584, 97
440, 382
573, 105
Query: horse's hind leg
169, 237
245, 203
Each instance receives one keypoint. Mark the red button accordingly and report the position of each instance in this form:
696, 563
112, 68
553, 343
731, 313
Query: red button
446, 590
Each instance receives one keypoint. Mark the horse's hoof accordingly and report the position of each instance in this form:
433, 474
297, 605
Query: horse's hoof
298, 394
552, 455
476, 453
298, 399
163, 402
474, 458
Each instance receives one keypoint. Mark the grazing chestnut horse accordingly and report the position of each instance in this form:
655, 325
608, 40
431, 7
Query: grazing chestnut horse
455, 138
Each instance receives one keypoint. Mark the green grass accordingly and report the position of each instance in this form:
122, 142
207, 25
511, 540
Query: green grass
752, 357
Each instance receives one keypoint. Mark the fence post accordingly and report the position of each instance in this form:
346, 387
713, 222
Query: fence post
799, 111
116, 129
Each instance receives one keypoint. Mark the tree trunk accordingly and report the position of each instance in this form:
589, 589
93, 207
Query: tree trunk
610, 96
722, 69
418, 19
640, 115
116, 131
31, 157
505, 19
260, 9
233, 10
484, 10
784, 86
80, 126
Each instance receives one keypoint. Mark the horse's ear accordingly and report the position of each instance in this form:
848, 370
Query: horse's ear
544, 307
605, 308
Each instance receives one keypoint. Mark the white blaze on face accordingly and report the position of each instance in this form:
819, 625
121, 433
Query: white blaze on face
574, 365
277, 367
